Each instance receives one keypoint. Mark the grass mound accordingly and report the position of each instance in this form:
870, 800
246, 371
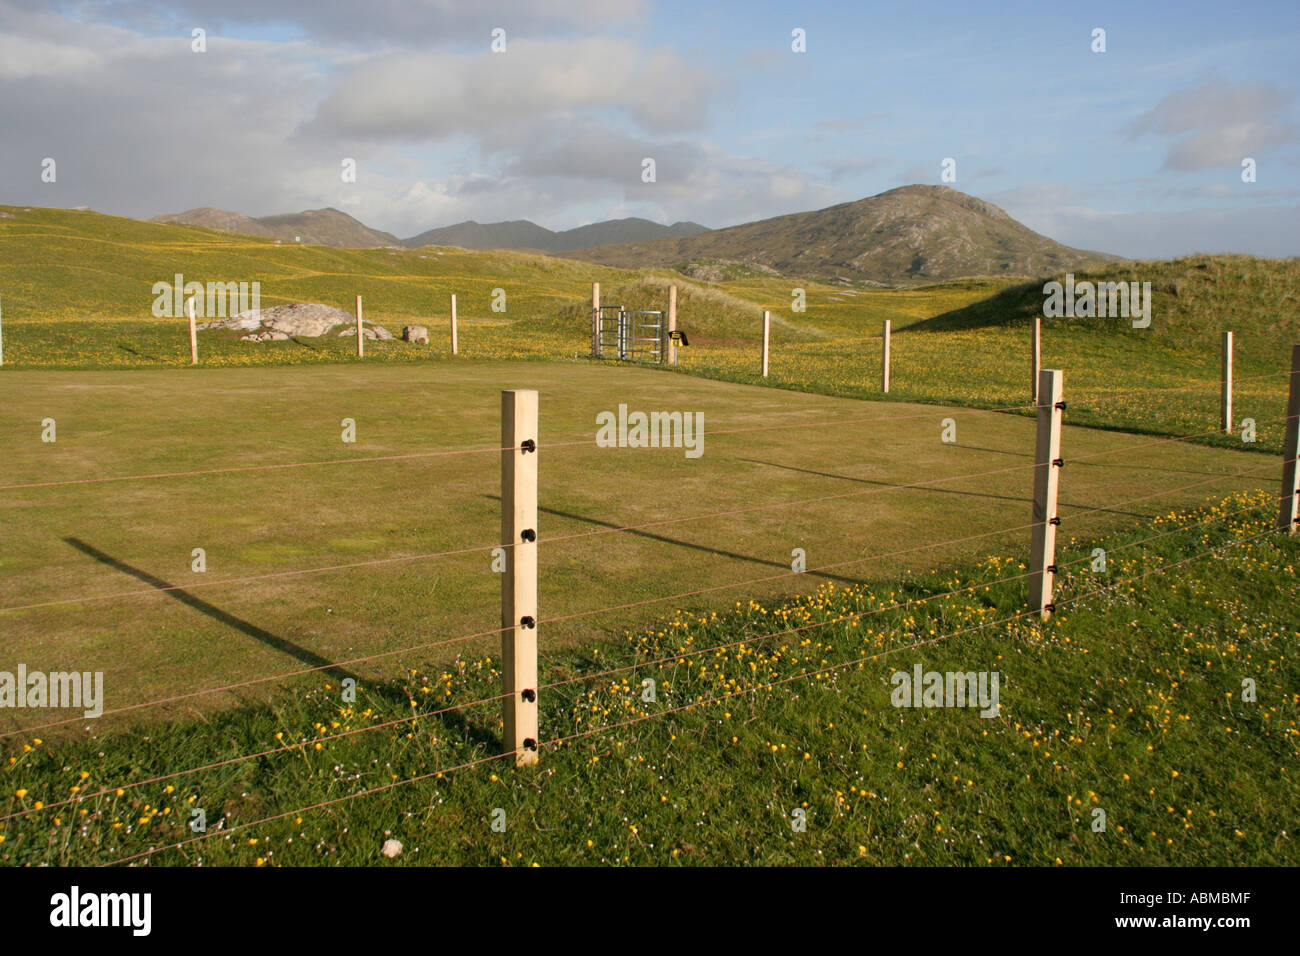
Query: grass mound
1194, 299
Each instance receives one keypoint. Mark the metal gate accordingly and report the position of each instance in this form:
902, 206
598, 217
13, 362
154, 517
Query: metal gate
630, 336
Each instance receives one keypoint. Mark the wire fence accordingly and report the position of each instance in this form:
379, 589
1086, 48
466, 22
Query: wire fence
665, 712
587, 676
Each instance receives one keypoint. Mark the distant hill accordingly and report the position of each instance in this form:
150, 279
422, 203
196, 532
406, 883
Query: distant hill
206, 217
319, 227
906, 236
522, 234
516, 234
330, 227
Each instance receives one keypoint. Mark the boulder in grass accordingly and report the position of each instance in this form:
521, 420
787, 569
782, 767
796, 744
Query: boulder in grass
369, 333
245, 322
264, 336
416, 333
392, 848
305, 319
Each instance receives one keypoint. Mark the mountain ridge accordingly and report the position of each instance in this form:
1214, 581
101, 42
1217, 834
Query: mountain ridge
322, 227
333, 227
909, 235
525, 234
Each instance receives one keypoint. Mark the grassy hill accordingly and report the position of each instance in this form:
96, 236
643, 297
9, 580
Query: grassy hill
906, 236
1162, 379
64, 264
323, 227
1197, 298
77, 289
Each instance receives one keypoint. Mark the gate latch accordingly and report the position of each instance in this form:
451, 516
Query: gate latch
679, 335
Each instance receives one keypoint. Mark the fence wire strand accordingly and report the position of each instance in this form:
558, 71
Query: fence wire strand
623, 668
561, 741
573, 443
497, 631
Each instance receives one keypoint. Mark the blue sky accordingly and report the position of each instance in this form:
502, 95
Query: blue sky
1136, 150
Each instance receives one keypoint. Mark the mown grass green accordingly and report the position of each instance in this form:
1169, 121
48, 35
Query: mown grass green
97, 553
1129, 701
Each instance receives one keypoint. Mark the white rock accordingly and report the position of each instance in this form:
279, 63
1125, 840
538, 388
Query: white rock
245, 321
306, 319
392, 848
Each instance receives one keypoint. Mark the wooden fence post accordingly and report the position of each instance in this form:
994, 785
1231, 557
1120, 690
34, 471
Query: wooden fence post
595, 320
767, 336
2, 335
1225, 393
194, 332
455, 345
361, 339
672, 324
884, 359
519, 582
1047, 461
1290, 503
1035, 358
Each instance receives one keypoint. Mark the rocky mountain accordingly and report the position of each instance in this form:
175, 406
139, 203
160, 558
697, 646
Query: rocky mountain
906, 236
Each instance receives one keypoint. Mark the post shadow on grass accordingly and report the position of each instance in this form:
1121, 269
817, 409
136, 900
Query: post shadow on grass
469, 731
663, 539
1112, 464
310, 658
994, 451
907, 486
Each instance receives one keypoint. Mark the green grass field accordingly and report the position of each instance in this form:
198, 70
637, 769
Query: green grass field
1129, 700
884, 482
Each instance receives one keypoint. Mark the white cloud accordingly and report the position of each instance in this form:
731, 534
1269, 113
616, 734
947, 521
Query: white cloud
28, 58
433, 95
1215, 125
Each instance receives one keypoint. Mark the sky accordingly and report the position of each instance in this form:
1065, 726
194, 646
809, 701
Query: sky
1136, 150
